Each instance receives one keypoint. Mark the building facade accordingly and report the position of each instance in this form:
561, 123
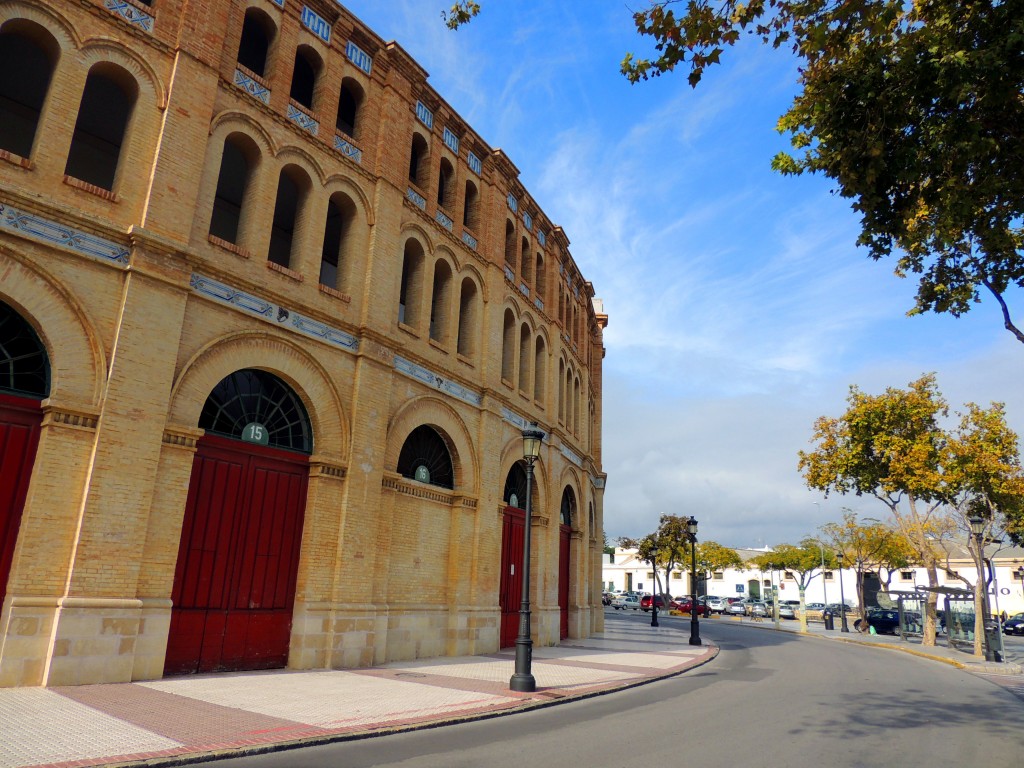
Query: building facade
272, 321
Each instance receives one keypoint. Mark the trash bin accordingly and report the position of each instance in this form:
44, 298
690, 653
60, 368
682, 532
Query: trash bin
829, 621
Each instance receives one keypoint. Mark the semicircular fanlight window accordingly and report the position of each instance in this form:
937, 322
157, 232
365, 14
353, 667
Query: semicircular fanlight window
568, 506
257, 407
515, 487
425, 458
24, 365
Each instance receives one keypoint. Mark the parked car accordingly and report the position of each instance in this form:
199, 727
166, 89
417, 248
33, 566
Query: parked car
1014, 625
737, 608
789, 609
626, 601
661, 601
682, 605
758, 609
815, 611
716, 604
884, 621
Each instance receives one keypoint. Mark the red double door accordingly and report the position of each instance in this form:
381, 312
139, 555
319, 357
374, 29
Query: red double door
19, 435
234, 586
564, 538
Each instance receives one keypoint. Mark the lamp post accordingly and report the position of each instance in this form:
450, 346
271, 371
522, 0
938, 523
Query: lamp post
691, 529
522, 679
842, 595
977, 529
1020, 575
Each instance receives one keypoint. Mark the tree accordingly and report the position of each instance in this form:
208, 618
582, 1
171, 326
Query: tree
803, 561
665, 549
914, 110
893, 447
870, 547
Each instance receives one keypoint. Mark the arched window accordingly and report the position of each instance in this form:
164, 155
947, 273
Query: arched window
440, 302
24, 364
525, 348
568, 509
510, 245
540, 370
561, 305
293, 188
307, 68
426, 459
445, 182
412, 284
576, 408
236, 165
468, 320
526, 262
471, 207
254, 47
508, 348
540, 281
106, 107
590, 516
350, 100
341, 213
28, 56
258, 407
418, 161
568, 400
561, 391
515, 487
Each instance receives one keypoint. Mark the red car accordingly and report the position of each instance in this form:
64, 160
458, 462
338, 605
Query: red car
683, 605
661, 602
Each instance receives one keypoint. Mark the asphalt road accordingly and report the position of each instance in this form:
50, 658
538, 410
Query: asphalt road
769, 699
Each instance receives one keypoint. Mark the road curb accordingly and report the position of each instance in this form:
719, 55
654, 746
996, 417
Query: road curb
528, 704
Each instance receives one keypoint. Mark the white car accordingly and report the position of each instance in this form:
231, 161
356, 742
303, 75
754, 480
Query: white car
626, 601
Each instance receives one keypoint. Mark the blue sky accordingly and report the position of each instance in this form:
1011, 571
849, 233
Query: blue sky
739, 308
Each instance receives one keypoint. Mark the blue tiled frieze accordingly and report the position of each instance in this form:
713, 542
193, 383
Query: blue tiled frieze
469, 240
598, 482
304, 121
571, 455
527, 220
542, 238
425, 115
451, 140
513, 204
251, 87
524, 289
475, 165
417, 198
514, 418
349, 150
131, 14
444, 221
440, 383
312, 21
44, 230
509, 273
539, 304
359, 57
272, 313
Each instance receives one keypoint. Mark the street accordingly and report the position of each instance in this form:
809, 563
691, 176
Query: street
770, 698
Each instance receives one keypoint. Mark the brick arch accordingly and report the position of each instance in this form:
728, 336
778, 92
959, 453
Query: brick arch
438, 414
293, 155
416, 232
570, 478
510, 454
471, 271
277, 355
338, 183
54, 23
103, 50
226, 123
77, 362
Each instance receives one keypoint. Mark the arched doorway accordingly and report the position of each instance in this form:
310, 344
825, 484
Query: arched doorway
568, 512
513, 530
24, 383
234, 584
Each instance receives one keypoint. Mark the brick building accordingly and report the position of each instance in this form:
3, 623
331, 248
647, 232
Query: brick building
272, 320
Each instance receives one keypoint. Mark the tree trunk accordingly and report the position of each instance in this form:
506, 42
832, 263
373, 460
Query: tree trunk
930, 612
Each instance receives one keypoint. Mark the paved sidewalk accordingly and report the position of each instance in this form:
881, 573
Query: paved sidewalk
186, 719
180, 720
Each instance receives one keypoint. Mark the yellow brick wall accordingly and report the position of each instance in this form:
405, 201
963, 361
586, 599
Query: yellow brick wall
389, 569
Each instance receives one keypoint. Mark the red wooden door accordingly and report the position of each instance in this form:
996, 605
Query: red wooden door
564, 534
19, 435
510, 594
234, 585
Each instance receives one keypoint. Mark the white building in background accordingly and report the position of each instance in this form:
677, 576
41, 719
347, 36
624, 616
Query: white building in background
623, 571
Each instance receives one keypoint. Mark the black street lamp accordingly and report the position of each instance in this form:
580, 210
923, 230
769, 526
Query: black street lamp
977, 529
842, 596
691, 529
522, 679
1020, 575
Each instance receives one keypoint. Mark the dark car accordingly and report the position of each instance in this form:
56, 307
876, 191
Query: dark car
1014, 625
683, 606
660, 602
884, 621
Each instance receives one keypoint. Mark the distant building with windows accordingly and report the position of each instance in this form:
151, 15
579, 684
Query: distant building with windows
272, 320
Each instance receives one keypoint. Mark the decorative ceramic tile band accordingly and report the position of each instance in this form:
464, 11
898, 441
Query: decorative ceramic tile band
349, 150
273, 313
571, 455
51, 232
542, 238
444, 221
416, 197
131, 14
304, 121
440, 383
598, 482
539, 304
425, 115
509, 273
469, 240
315, 24
250, 86
514, 418
524, 289
475, 165
451, 140
359, 57
527, 220
513, 204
